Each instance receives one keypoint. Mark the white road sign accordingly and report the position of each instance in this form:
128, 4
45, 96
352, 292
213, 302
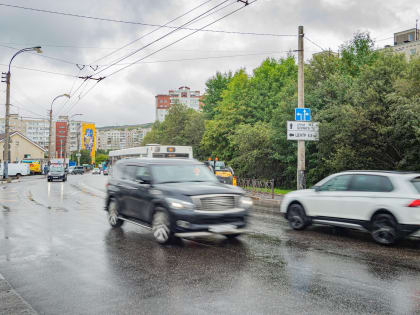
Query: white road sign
299, 130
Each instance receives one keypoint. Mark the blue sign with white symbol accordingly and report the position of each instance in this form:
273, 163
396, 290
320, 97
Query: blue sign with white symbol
302, 114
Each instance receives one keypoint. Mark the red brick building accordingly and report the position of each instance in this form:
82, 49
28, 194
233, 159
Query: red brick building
60, 138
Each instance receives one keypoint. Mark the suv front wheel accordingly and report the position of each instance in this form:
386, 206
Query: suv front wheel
161, 227
113, 219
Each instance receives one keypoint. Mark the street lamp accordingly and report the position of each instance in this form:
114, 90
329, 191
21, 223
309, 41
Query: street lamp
67, 135
50, 136
6, 151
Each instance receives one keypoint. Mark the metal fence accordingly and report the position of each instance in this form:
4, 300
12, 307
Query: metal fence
257, 186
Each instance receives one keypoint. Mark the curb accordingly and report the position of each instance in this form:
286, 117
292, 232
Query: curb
271, 206
12, 302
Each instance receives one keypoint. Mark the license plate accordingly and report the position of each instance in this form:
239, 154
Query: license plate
222, 228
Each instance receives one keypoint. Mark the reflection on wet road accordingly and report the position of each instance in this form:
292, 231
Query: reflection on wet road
58, 252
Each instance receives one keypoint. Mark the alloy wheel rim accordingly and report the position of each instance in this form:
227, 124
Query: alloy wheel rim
295, 219
383, 232
160, 227
112, 214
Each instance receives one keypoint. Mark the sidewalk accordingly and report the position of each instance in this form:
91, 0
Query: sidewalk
11, 302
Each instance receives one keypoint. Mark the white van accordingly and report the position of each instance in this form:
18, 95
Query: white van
15, 169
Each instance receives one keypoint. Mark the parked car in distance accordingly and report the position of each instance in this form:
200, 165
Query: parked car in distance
384, 203
57, 172
70, 169
175, 198
78, 170
96, 171
105, 171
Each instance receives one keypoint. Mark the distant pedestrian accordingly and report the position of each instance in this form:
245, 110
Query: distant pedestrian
45, 170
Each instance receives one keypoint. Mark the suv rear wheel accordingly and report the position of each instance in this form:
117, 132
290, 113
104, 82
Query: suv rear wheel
113, 219
384, 229
161, 227
297, 217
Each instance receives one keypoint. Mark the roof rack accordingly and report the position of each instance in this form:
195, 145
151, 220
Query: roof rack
382, 171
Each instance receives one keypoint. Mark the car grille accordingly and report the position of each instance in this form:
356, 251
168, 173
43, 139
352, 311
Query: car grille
215, 203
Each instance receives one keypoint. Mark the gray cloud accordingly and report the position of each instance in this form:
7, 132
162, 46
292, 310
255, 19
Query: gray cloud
128, 97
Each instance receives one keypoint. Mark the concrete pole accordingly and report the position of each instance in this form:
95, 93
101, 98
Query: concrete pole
78, 144
6, 153
301, 182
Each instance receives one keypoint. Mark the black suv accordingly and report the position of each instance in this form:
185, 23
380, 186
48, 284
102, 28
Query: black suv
57, 172
174, 198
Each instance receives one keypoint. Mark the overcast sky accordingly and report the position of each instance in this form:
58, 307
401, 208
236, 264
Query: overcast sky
128, 97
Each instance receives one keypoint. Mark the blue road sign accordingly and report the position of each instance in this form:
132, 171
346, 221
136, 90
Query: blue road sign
302, 114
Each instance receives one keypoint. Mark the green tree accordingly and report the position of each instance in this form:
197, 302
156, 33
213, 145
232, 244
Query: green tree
100, 158
213, 95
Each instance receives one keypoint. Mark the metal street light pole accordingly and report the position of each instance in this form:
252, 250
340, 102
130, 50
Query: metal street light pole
6, 150
50, 135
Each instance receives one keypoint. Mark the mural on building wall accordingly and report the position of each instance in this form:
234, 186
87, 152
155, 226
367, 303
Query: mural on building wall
88, 139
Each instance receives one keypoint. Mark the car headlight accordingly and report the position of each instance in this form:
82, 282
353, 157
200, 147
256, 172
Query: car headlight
245, 202
179, 204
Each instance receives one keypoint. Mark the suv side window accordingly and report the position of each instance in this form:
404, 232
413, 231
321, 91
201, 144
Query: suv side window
338, 183
129, 172
142, 172
374, 183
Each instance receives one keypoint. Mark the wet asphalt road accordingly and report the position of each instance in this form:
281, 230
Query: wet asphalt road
58, 252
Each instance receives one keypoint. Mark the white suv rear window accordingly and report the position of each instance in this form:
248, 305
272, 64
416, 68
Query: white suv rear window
416, 183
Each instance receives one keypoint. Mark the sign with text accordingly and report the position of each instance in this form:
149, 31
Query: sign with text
299, 130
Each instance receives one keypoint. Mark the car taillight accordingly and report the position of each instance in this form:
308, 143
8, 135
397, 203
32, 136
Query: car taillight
415, 203
106, 185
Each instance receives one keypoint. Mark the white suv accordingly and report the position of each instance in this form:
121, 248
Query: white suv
387, 204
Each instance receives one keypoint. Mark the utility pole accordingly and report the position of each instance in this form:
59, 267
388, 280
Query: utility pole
301, 181
6, 151
50, 139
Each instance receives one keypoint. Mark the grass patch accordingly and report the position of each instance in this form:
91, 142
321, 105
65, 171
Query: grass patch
277, 191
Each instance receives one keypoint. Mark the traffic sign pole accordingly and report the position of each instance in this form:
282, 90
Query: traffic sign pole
301, 182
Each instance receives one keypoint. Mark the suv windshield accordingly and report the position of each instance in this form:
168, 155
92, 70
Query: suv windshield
416, 183
182, 173
57, 169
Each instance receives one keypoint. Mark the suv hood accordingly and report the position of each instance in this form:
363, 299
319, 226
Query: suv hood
199, 188
56, 173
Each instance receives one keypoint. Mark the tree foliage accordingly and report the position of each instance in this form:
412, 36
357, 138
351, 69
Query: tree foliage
366, 101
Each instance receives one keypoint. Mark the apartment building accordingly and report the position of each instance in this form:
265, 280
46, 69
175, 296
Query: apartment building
407, 42
121, 137
183, 95
38, 130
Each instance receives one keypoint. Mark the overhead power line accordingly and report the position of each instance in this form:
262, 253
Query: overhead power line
224, 16
39, 70
151, 32
309, 40
180, 39
138, 23
161, 37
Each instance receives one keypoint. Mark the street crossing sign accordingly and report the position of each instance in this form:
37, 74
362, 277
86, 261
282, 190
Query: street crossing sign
302, 114
299, 130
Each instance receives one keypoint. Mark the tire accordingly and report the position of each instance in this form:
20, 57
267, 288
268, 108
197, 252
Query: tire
18, 176
297, 217
384, 229
113, 214
161, 227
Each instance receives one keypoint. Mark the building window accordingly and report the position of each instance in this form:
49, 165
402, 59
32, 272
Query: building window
410, 37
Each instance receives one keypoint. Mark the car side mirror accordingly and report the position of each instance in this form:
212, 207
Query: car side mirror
317, 188
143, 179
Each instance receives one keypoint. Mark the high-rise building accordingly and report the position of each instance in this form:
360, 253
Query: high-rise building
121, 137
38, 130
183, 95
